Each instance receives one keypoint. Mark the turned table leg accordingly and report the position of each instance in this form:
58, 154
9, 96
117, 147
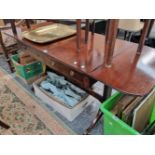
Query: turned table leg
143, 36
110, 39
93, 27
78, 38
106, 94
87, 30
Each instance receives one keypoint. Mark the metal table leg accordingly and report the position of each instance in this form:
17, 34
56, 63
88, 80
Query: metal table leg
106, 94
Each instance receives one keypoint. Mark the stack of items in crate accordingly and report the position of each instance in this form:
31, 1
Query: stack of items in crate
25, 58
27, 68
136, 112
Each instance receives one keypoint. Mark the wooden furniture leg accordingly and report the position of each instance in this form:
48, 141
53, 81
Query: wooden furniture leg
93, 124
87, 30
143, 36
125, 35
111, 34
110, 38
13, 26
27, 23
5, 52
150, 27
78, 27
130, 36
93, 27
106, 94
4, 125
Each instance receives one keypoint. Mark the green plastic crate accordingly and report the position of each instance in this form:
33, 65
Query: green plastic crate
114, 125
27, 71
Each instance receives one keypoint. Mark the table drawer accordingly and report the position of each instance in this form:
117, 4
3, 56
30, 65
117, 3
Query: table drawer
59, 67
69, 73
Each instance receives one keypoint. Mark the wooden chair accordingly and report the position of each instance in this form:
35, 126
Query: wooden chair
111, 38
78, 26
130, 26
151, 33
111, 34
8, 45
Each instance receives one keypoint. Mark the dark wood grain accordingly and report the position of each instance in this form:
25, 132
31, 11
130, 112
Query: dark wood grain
93, 27
90, 57
28, 23
12, 21
130, 73
87, 30
78, 29
110, 39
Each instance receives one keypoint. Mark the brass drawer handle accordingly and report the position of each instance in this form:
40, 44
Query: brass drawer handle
72, 73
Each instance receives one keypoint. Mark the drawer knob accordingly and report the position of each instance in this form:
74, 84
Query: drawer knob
71, 73
45, 51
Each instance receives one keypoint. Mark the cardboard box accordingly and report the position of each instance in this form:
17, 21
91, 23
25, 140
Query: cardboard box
69, 113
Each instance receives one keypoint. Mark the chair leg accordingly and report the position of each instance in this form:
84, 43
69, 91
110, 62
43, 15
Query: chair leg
129, 36
118, 32
125, 35
5, 53
78, 39
143, 35
28, 23
110, 39
87, 30
13, 26
93, 27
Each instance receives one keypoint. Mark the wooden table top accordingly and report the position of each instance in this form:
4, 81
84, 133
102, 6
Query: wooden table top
130, 73
90, 57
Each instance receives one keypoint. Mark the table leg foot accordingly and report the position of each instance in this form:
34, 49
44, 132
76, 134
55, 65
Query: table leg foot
93, 124
107, 93
4, 125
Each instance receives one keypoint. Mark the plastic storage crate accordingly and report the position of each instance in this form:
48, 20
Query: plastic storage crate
27, 71
114, 125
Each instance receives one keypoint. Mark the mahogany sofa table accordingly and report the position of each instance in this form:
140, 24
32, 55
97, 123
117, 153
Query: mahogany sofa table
130, 73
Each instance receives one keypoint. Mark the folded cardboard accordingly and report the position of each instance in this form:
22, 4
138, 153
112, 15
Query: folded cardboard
143, 112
